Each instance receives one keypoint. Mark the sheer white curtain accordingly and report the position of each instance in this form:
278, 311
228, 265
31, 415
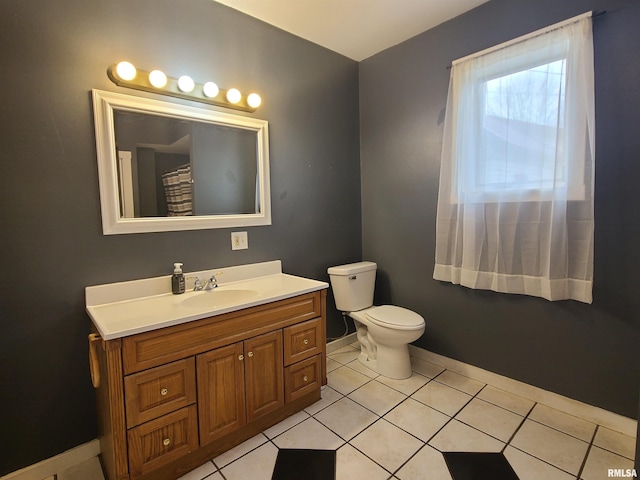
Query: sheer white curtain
515, 205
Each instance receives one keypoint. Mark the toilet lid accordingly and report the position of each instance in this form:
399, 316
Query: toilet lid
395, 316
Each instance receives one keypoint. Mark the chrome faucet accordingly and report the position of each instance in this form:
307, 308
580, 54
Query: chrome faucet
211, 283
208, 285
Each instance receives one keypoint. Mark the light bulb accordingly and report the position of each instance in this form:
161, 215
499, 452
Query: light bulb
158, 79
254, 100
185, 84
210, 90
126, 71
233, 95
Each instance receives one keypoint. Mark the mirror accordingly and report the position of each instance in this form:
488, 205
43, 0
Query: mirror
165, 166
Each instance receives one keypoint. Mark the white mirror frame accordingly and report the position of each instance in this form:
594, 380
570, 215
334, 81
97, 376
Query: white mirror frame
104, 104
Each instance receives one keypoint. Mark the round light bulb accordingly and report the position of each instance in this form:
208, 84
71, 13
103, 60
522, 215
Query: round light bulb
185, 84
233, 95
210, 90
158, 79
254, 100
126, 71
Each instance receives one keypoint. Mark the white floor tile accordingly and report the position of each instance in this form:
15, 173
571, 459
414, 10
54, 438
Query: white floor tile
352, 464
286, 424
329, 396
516, 404
309, 434
417, 419
616, 442
345, 355
427, 463
552, 446
345, 380
377, 397
239, 450
386, 444
332, 365
346, 418
600, 461
531, 468
490, 419
407, 385
201, 472
256, 465
564, 422
358, 366
460, 382
441, 397
458, 437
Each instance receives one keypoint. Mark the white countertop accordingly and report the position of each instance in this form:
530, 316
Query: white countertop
126, 308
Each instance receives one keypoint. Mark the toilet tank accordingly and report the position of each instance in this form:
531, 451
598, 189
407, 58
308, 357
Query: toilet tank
353, 285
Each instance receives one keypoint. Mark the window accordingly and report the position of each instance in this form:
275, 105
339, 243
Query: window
518, 149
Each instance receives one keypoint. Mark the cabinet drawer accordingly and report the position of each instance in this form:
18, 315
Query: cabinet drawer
302, 341
158, 442
150, 349
157, 391
302, 378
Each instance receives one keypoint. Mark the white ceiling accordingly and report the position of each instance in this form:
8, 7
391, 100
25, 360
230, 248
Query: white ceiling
354, 28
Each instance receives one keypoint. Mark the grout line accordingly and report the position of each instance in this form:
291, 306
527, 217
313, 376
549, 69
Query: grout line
586, 455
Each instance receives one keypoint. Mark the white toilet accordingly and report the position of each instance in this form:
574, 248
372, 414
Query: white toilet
384, 332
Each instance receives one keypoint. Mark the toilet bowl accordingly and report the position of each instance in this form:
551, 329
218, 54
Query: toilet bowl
384, 332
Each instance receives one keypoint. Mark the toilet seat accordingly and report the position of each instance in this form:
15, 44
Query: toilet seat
395, 317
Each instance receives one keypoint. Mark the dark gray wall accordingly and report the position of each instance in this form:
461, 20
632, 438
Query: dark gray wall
52, 54
586, 352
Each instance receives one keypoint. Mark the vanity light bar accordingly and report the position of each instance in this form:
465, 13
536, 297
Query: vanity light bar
124, 74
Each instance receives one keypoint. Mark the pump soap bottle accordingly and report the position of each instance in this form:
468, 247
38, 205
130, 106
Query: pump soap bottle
177, 279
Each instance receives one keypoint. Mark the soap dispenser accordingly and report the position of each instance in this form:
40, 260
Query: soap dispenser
177, 279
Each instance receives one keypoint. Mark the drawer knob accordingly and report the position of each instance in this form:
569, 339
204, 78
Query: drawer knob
240, 357
305, 341
166, 442
305, 378
164, 391
250, 354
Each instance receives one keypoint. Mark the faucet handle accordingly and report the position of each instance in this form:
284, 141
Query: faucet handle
197, 283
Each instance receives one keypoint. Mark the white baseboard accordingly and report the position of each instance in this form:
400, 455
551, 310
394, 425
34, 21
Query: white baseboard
55, 465
596, 415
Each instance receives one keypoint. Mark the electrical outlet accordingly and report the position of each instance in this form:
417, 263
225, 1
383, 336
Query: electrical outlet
239, 241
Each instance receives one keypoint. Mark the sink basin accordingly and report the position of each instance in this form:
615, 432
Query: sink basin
218, 297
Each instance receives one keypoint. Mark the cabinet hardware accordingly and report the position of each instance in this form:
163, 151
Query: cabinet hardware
305, 378
240, 357
166, 442
305, 341
164, 391
250, 354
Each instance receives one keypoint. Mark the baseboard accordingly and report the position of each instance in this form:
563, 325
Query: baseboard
55, 465
596, 415
339, 343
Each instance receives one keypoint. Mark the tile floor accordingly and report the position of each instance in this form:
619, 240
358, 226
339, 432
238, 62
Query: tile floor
396, 429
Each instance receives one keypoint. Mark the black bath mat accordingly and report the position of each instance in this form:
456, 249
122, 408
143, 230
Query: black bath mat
479, 466
302, 464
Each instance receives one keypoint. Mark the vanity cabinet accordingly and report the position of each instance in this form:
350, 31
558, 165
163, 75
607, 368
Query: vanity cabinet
173, 398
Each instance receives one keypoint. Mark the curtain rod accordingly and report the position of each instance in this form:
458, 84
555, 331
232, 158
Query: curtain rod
536, 33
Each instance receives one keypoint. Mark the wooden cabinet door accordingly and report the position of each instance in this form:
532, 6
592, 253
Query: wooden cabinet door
221, 394
264, 374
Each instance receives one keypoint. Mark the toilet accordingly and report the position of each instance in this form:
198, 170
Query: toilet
384, 332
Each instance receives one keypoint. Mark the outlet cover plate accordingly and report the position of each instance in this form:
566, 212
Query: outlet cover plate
239, 241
